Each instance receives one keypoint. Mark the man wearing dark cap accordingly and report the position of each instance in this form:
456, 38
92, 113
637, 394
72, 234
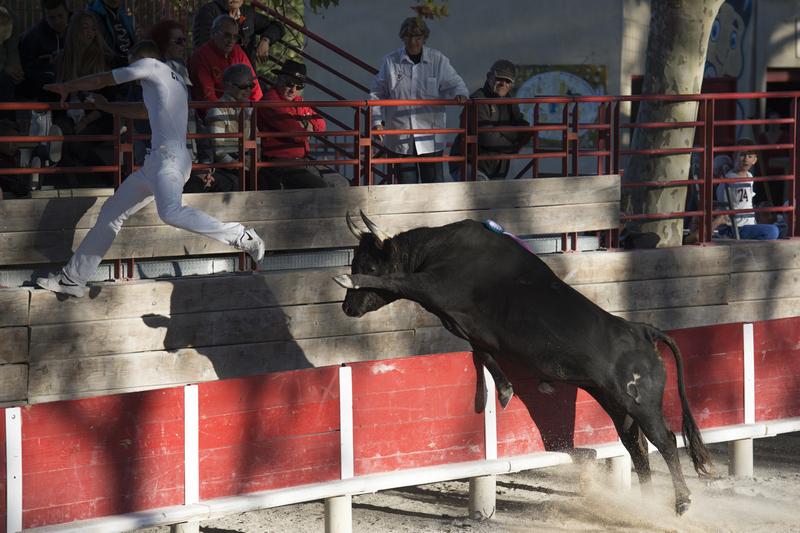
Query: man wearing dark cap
290, 81
498, 82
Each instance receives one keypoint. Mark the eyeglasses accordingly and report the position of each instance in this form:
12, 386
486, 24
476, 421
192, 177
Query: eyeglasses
413, 37
179, 40
246, 86
298, 86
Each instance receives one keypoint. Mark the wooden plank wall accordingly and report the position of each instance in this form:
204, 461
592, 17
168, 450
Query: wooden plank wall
141, 335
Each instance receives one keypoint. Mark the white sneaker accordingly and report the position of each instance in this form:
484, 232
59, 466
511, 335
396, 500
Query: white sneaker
35, 163
251, 243
55, 146
59, 282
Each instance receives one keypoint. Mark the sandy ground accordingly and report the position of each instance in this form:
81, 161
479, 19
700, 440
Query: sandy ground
570, 498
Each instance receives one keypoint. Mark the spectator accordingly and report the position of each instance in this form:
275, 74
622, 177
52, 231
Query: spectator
116, 30
239, 82
250, 22
291, 80
210, 60
40, 45
82, 56
11, 73
742, 197
9, 158
415, 72
499, 80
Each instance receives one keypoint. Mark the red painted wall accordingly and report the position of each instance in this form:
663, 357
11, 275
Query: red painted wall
269, 432
102, 456
124, 453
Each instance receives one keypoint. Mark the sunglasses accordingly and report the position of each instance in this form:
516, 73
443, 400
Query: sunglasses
246, 86
298, 86
413, 37
504, 80
179, 40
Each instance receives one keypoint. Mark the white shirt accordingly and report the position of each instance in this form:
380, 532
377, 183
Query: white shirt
400, 79
743, 194
165, 96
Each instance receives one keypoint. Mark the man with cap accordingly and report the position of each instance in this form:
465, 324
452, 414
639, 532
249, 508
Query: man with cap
210, 60
290, 81
499, 80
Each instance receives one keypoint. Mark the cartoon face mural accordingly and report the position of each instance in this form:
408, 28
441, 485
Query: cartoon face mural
725, 56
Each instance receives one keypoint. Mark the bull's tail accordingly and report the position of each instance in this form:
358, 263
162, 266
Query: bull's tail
701, 456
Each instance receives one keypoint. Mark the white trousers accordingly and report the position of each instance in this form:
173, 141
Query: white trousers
162, 177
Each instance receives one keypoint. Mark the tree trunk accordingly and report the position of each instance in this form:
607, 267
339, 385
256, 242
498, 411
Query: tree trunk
675, 60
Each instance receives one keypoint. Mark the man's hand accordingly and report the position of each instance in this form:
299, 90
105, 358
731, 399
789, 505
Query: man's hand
261, 53
461, 98
378, 135
59, 88
206, 175
99, 101
16, 73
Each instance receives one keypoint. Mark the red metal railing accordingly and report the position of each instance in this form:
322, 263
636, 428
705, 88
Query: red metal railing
565, 153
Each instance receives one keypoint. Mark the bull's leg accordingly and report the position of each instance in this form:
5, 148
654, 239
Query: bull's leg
655, 428
504, 390
632, 438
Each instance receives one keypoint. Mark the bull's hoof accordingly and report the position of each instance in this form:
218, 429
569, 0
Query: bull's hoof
682, 506
505, 397
345, 281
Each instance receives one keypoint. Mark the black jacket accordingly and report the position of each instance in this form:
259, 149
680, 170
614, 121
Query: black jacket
254, 23
39, 47
493, 142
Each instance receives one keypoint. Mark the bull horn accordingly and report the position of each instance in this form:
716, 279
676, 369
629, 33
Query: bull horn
378, 232
353, 228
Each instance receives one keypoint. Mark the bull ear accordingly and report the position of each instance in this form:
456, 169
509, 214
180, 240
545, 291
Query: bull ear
378, 232
353, 228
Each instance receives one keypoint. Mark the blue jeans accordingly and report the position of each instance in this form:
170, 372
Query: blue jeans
759, 232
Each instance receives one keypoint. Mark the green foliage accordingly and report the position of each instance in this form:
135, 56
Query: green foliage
316, 5
431, 9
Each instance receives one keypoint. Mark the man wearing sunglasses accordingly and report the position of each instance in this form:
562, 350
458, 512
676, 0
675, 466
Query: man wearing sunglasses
499, 80
209, 62
291, 80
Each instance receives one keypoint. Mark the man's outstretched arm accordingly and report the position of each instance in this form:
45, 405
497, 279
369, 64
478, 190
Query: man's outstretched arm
123, 109
92, 82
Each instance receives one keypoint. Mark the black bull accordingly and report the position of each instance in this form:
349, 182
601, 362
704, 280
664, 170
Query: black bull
490, 291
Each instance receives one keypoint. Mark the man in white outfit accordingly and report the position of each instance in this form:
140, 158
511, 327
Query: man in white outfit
166, 168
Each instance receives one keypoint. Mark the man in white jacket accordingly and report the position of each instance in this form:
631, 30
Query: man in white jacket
415, 72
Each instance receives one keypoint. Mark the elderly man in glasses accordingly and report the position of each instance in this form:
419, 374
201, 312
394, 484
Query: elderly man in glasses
290, 81
499, 80
257, 30
210, 60
415, 72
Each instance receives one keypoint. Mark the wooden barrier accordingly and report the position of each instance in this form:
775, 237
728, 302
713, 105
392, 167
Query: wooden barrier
279, 438
140, 335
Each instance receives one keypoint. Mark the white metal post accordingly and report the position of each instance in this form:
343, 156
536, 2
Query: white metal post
740, 452
13, 470
483, 489
191, 456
